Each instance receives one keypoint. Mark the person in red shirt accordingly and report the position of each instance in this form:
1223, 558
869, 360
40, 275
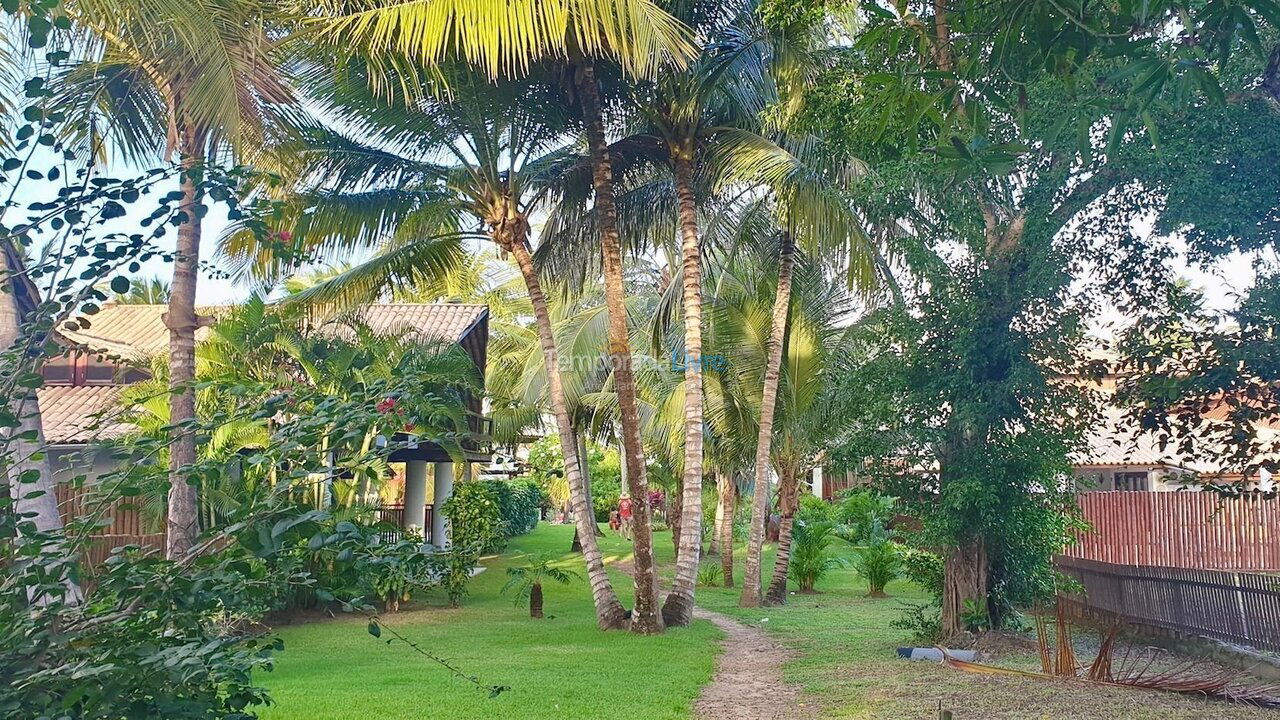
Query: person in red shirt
624, 514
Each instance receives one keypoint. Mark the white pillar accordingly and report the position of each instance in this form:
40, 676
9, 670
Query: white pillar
443, 488
415, 494
817, 481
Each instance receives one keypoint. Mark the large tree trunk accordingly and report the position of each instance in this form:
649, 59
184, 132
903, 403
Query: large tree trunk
609, 611
964, 583
678, 609
760, 500
725, 510
34, 498
788, 498
645, 617
183, 520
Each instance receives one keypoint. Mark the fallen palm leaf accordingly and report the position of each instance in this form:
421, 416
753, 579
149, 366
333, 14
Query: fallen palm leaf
1133, 669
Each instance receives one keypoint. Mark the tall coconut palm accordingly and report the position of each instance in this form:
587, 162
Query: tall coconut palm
199, 79
474, 163
504, 38
702, 127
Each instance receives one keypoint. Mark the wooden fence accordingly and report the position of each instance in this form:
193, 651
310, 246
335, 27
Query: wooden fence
1237, 607
124, 525
1180, 529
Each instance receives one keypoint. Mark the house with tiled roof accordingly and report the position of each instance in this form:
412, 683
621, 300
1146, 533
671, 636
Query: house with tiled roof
107, 351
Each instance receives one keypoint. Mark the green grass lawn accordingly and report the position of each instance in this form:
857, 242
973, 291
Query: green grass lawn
557, 668
566, 669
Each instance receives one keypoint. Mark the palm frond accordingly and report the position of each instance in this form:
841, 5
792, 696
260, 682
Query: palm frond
505, 37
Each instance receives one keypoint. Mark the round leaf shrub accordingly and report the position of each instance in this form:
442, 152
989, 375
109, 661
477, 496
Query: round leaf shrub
474, 518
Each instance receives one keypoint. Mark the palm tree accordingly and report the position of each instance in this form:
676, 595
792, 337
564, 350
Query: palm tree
505, 39
487, 153
805, 404
527, 581
702, 127
204, 85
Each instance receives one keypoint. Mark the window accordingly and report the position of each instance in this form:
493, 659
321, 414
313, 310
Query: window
1132, 481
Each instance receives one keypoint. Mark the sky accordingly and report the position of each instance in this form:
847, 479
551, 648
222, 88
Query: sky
1222, 283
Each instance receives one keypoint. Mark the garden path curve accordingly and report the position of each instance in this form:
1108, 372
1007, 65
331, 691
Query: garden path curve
748, 684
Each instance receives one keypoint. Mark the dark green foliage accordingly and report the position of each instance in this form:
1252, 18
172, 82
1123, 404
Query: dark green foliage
519, 504
451, 570
475, 521
922, 620
923, 568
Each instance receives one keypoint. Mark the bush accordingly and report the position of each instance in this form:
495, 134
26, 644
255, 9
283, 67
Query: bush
519, 503
924, 569
604, 501
474, 519
809, 557
451, 569
710, 574
814, 509
922, 620
878, 561
860, 510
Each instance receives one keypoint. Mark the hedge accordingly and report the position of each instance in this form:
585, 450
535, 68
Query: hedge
519, 504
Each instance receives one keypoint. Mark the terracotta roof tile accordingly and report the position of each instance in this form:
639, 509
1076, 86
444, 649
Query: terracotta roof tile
80, 414
138, 331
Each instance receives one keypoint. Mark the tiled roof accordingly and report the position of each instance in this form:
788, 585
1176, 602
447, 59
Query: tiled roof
1115, 441
80, 414
444, 322
138, 331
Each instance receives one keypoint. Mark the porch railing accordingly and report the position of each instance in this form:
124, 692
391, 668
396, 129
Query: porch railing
392, 518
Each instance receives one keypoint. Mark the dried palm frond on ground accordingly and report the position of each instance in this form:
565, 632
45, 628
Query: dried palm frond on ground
1134, 667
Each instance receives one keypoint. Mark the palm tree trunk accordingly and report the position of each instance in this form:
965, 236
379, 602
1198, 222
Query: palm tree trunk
535, 601
183, 525
760, 500
678, 609
788, 498
725, 510
584, 463
645, 617
610, 614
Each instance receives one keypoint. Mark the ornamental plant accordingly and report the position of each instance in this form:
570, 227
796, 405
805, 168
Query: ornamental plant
474, 518
527, 581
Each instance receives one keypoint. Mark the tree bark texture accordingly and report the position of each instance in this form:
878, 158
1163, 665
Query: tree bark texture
678, 609
610, 614
646, 617
788, 499
182, 515
751, 590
